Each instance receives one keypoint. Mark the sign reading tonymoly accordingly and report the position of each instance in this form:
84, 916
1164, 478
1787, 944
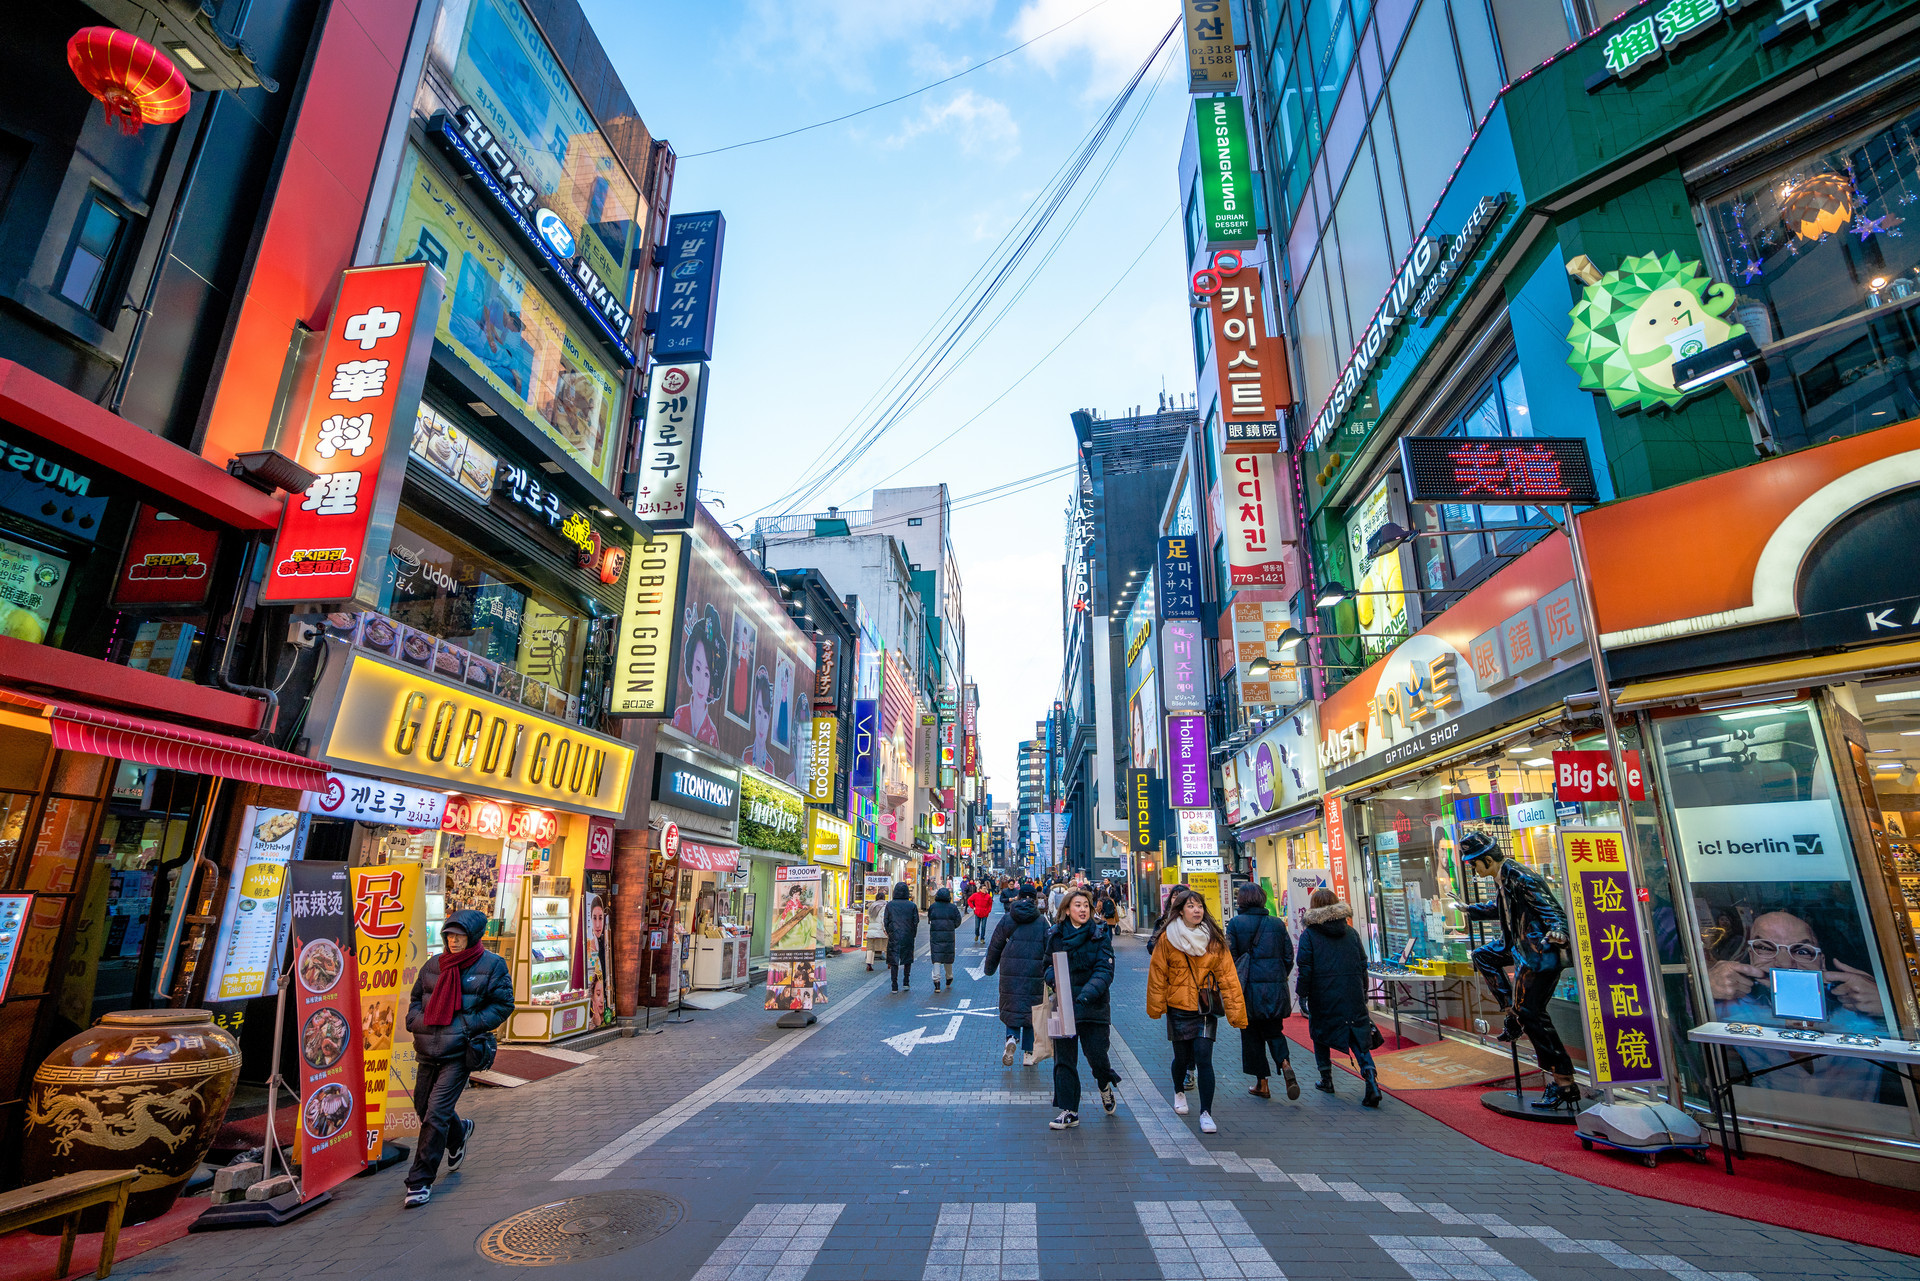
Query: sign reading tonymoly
1226, 172
649, 646
669, 477
333, 539
398, 722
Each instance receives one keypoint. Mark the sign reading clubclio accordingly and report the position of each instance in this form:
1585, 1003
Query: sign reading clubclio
398, 722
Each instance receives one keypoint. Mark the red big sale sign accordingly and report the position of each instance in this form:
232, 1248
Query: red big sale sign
1588, 776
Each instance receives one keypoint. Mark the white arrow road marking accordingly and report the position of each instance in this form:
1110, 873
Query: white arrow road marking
905, 1042
976, 973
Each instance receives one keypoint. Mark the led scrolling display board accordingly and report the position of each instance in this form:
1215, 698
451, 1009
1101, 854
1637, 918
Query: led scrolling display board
1547, 471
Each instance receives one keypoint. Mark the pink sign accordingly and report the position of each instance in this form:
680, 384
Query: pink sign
708, 858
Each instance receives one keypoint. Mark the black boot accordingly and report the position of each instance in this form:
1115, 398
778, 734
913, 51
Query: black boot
1326, 1081
1510, 1031
1372, 1097
1557, 1096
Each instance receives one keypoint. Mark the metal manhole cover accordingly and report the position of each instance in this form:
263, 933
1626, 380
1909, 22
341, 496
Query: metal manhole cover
580, 1227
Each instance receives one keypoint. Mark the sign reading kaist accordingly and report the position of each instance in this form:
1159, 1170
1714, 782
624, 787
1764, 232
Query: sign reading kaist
400, 723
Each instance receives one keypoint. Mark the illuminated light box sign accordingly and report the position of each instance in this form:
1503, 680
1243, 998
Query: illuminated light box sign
1226, 172
1544, 470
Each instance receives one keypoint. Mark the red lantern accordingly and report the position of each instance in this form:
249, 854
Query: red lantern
136, 83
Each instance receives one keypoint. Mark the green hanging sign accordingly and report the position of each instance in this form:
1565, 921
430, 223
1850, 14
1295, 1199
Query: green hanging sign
1226, 172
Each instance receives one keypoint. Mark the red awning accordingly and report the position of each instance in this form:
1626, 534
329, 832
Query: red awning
78, 728
709, 858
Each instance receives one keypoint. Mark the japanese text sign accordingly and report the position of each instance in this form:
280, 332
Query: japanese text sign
1187, 782
334, 538
1451, 469
326, 990
1588, 776
1209, 28
689, 287
387, 913
1226, 172
366, 800
669, 450
1615, 980
1256, 521
1183, 677
1254, 384
1177, 593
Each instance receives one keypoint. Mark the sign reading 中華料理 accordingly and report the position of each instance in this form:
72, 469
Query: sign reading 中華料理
1609, 951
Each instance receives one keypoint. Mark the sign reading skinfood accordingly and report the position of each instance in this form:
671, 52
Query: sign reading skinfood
333, 538
399, 722
1456, 677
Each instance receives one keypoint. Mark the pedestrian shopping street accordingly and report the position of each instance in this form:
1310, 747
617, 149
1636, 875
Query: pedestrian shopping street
829, 1155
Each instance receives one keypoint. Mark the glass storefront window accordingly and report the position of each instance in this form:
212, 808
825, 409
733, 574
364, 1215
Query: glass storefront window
1819, 240
1775, 891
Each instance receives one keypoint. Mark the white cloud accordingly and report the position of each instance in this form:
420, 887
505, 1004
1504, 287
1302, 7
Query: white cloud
1108, 43
977, 122
840, 38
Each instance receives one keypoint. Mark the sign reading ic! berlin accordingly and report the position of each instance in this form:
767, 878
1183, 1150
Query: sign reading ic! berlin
334, 538
669, 455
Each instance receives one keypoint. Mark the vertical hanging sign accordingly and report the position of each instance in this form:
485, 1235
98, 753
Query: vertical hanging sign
1255, 515
333, 538
1615, 981
326, 989
1337, 846
669, 455
1226, 172
644, 675
1209, 28
1255, 389
689, 285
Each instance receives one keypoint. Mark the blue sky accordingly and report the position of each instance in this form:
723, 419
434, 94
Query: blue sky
845, 244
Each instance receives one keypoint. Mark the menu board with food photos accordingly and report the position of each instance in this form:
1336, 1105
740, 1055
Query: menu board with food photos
30, 585
327, 1014
439, 443
245, 954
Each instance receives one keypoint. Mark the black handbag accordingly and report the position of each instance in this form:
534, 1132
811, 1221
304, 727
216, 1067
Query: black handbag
1212, 1004
481, 1049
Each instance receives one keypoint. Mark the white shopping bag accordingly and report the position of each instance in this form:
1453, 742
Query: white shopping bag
1060, 1021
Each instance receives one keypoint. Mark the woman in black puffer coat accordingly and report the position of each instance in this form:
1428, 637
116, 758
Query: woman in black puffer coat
943, 918
1018, 953
903, 927
1263, 955
1333, 990
1088, 945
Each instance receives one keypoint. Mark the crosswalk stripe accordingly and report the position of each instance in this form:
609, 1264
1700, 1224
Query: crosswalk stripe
776, 1242
1462, 1258
985, 1241
1202, 1240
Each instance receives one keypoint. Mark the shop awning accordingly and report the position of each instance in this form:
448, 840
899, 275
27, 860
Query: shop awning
1286, 822
1764, 678
708, 858
78, 728
1452, 753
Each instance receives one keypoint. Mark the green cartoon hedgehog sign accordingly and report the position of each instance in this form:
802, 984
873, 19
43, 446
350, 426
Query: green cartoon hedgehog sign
1634, 323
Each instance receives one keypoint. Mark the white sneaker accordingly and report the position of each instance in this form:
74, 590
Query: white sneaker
1013, 1048
1179, 1103
1206, 1124
1026, 1060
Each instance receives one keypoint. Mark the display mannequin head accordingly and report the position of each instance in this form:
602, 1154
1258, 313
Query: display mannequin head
1480, 854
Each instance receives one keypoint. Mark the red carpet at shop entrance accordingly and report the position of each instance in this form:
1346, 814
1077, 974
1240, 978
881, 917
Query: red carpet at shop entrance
1765, 1189
25, 1256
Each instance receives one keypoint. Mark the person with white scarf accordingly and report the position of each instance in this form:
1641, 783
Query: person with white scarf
1191, 979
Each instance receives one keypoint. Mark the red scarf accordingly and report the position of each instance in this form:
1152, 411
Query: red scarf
444, 1001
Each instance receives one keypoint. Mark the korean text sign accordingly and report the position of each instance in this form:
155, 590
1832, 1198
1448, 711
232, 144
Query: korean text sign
1209, 28
334, 538
1182, 673
689, 286
1254, 384
387, 914
327, 990
669, 471
1612, 958
1178, 594
1256, 512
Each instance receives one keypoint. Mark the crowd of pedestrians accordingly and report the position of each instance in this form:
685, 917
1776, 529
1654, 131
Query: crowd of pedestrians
1052, 953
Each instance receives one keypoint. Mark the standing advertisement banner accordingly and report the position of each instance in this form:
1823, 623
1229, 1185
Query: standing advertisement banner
794, 977
1301, 883
247, 951
1622, 1039
326, 988
387, 909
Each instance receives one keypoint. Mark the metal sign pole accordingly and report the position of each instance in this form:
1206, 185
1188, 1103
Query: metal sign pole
1590, 623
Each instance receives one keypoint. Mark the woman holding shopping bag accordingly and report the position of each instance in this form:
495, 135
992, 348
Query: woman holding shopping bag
1087, 944
1263, 958
1191, 980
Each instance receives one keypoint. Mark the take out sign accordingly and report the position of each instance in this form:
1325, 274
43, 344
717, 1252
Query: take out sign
1588, 776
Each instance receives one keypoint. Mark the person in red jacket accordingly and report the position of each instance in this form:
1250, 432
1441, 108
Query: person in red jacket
982, 904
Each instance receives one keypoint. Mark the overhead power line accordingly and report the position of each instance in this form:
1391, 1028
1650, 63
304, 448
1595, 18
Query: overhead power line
911, 93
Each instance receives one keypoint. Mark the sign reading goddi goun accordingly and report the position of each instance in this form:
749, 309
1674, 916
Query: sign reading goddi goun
401, 723
648, 652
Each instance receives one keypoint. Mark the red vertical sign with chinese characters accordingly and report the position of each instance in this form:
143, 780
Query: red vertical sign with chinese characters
1255, 388
1337, 847
333, 1123
333, 538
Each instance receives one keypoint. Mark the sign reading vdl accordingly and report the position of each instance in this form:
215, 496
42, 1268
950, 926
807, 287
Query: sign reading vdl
1546, 470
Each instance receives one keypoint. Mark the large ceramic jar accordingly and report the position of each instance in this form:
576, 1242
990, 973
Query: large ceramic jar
140, 1089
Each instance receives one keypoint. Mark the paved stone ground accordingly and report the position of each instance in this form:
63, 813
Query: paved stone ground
831, 1155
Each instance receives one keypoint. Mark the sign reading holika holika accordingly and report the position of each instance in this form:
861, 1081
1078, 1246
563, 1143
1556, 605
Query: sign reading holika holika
795, 979
1611, 955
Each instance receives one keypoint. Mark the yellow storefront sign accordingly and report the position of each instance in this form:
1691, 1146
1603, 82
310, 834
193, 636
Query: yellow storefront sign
829, 839
644, 675
403, 724
387, 913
